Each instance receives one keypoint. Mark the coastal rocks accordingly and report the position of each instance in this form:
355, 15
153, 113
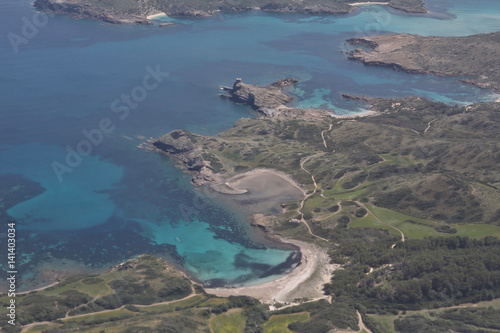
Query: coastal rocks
83, 9
388, 51
310, 9
288, 81
408, 6
181, 145
472, 59
270, 100
129, 11
366, 99
258, 97
362, 42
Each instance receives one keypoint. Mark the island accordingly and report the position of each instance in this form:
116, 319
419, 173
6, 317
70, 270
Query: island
141, 12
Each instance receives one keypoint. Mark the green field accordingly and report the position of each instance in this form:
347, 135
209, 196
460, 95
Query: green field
416, 228
230, 322
102, 316
279, 323
386, 322
186, 303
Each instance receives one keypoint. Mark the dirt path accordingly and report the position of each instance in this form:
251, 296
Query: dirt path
193, 293
429, 125
299, 210
361, 325
327, 297
39, 289
379, 220
323, 135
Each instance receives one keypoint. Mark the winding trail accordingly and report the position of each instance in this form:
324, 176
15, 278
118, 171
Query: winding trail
379, 220
299, 210
41, 288
323, 135
28, 326
361, 325
429, 125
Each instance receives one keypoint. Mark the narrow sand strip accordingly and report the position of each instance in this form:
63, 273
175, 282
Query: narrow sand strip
368, 3
160, 14
367, 113
235, 180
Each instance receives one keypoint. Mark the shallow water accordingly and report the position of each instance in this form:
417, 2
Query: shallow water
120, 201
265, 193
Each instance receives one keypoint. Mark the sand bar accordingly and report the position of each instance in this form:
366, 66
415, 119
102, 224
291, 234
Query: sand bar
367, 113
160, 14
368, 3
235, 181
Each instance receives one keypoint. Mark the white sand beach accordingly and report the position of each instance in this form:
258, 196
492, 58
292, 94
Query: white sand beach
367, 113
251, 177
306, 280
368, 3
160, 14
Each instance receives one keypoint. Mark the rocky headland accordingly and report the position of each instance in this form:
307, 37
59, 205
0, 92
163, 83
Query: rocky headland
474, 59
270, 101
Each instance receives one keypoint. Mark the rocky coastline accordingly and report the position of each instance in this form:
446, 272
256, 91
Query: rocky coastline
86, 10
441, 56
129, 12
182, 145
270, 101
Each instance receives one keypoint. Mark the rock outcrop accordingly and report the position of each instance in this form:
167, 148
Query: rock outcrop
181, 145
260, 98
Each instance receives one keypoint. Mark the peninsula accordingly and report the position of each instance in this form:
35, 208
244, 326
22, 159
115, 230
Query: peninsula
474, 59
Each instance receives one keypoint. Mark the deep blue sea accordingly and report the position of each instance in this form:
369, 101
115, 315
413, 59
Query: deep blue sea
62, 79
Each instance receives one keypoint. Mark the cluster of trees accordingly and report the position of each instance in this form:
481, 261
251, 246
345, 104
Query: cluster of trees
137, 292
417, 273
255, 312
467, 320
324, 316
37, 307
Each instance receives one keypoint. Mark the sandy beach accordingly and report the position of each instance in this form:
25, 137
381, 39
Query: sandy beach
306, 280
368, 3
368, 113
160, 14
250, 176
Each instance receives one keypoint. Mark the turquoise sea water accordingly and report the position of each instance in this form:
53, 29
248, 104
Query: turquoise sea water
120, 201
